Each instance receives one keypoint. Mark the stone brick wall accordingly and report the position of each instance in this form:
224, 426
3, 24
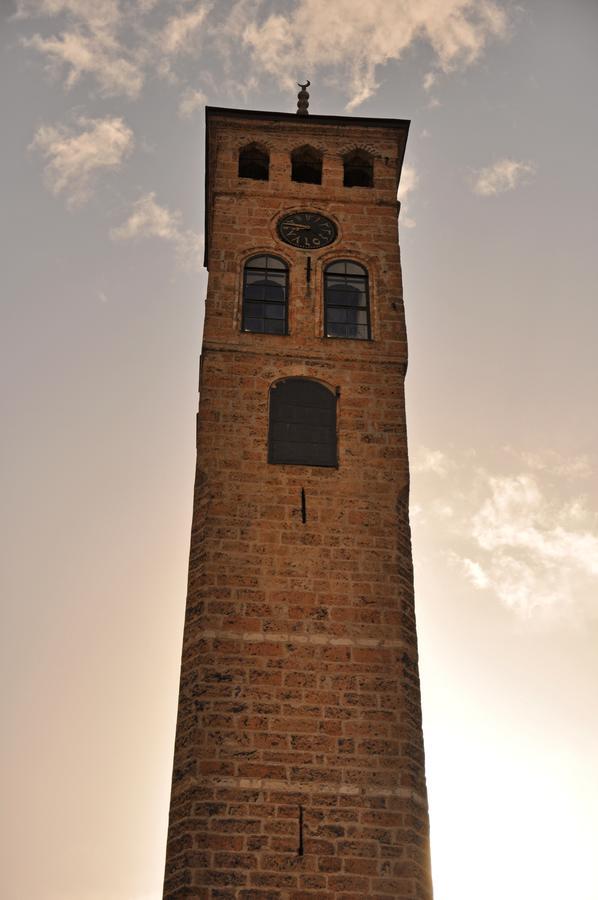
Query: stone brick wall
299, 768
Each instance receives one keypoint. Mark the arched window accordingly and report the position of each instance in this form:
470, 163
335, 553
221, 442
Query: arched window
306, 165
358, 169
302, 428
254, 162
265, 289
346, 301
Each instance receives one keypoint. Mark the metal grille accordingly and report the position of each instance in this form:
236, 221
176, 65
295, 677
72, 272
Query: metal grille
302, 424
346, 301
265, 289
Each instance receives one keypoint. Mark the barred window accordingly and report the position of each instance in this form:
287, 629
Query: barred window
254, 162
302, 428
346, 301
265, 289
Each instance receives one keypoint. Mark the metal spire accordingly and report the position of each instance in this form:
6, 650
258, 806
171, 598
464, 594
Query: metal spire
303, 99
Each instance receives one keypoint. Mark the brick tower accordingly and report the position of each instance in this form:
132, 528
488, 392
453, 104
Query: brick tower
299, 765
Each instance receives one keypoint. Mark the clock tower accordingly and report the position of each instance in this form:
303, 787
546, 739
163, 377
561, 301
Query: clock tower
299, 762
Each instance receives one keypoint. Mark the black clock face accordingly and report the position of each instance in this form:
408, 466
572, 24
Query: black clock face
307, 230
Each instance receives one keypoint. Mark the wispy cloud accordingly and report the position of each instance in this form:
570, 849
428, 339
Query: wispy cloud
522, 536
368, 35
409, 182
503, 175
114, 43
75, 159
150, 220
190, 101
425, 460
181, 30
88, 45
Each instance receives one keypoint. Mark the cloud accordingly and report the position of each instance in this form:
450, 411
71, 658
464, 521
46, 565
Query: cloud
190, 101
112, 42
75, 160
358, 38
503, 175
89, 54
89, 45
409, 182
425, 460
521, 537
549, 461
150, 220
180, 32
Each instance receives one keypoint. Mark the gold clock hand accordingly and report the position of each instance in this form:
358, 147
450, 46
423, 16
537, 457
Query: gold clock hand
289, 225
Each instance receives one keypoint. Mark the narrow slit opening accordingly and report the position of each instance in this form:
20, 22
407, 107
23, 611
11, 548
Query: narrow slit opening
300, 847
303, 506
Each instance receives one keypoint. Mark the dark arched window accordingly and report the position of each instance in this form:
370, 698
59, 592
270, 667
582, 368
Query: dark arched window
306, 165
358, 169
254, 162
302, 423
346, 301
265, 288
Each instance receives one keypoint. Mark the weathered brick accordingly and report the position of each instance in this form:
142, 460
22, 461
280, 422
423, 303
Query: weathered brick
299, 693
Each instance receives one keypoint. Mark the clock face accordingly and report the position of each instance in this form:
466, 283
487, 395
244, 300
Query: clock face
307, 230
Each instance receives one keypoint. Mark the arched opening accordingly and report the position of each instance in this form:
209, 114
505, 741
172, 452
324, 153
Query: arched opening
254, 162
265, 283
358, 169
346, 301
306, 165
302, 427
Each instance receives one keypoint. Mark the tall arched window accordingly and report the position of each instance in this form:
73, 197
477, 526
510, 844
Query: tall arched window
265, 289
302, 430
254, 162
346, 301
358, 169
306, 165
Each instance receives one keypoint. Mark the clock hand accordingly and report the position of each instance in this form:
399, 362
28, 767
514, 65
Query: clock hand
289, 225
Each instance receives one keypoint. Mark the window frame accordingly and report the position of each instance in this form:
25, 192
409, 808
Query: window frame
365, 279
244, 300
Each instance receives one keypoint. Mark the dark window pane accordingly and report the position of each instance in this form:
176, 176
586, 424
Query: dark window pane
302, 423
273, 291
275, 263
346, 302
273, 326
257, 262
255, 291
354, 269
265, 278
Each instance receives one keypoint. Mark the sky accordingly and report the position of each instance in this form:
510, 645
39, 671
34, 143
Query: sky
102, 306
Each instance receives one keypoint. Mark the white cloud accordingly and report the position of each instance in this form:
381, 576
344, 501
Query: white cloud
180, 32
503, 175
359, 38
90, 55
521, 537
408, 183
430, 79
74, 160
150, 220
550, 461
112, 42
190, 101
426, 460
